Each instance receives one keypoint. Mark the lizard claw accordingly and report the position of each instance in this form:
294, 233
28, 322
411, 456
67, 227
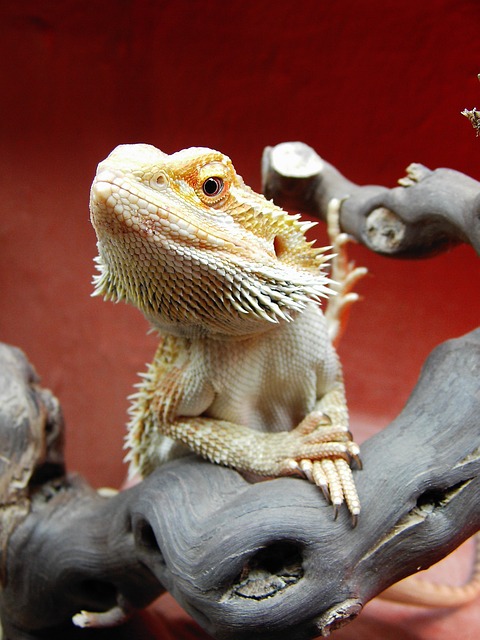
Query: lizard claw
354, 453
334, 478
324, 452
321, 480
314, 473
358, 461
307, 468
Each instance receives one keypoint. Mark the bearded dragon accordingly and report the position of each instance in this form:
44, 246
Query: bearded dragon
245, 374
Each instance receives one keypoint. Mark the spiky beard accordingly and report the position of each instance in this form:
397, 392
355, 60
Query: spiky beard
219, 295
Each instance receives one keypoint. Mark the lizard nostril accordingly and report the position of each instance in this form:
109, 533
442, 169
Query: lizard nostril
159, 181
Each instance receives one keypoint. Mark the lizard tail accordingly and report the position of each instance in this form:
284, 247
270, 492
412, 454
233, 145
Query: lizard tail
419, 592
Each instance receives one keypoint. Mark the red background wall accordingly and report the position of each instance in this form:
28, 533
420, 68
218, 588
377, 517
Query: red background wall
371, 85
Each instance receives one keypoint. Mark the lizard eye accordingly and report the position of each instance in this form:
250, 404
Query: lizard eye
213, 187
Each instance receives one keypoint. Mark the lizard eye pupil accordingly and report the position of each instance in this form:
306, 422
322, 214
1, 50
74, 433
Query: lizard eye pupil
212, 187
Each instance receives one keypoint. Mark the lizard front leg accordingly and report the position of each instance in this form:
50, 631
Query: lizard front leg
318, 448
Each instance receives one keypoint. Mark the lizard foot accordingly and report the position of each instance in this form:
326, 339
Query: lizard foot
324, 457
111, 618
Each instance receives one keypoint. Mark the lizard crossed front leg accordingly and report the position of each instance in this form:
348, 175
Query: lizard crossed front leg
320, 448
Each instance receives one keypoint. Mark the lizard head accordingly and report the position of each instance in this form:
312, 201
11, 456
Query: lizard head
183, 238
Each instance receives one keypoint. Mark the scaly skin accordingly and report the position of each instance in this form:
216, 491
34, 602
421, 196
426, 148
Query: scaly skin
245, 373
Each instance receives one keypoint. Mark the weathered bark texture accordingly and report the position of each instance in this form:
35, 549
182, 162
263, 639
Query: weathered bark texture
261, 560
430, 212
63, 547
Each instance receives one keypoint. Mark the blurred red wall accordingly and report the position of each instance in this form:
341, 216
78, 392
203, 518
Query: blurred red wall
371, 85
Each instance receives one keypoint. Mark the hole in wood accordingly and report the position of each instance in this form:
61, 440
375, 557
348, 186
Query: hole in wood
147, 545
48, 473
97, 594
145, 537
436, 498
271, 570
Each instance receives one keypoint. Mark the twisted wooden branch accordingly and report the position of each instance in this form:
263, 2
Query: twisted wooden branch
430, 212
249, 559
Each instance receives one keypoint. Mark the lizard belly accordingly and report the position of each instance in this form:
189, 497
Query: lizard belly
271, 382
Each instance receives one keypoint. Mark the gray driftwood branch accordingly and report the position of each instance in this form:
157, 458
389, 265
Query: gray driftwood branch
249, 560
245, 560
429, 212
